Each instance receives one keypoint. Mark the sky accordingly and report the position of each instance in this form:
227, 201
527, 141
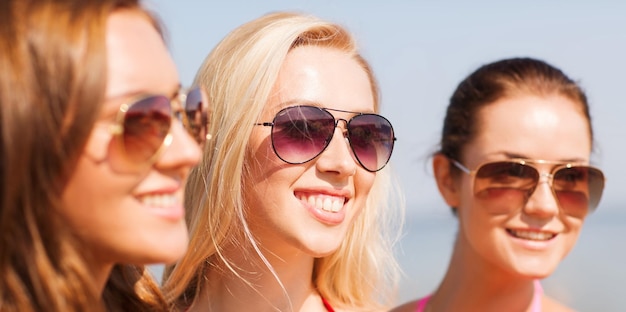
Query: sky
421, 50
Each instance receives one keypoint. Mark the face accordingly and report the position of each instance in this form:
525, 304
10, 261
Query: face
532, 240
309, 207
131, 216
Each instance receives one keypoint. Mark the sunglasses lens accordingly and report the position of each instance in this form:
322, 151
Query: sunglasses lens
578, 189
505, 185
197, 120
146, 124
371, 138
300, 133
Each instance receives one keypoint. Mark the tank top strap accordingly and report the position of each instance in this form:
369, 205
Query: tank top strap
421, 304
537, 296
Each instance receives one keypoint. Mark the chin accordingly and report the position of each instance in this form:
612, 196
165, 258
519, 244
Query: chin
321, 248
535, 268
170, 249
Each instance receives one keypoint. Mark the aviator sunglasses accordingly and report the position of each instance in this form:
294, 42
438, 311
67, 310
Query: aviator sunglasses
509, 184
301, 133
142, 127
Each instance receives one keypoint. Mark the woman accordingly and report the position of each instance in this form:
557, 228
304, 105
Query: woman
93, 163
287, 210
514, 167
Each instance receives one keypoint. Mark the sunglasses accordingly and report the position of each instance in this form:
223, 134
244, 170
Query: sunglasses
301, 133
197, 116
142, 128
509, 184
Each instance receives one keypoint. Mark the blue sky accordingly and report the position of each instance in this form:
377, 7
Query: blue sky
420, 50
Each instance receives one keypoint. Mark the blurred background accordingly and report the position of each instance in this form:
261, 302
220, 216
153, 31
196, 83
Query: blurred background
420, 51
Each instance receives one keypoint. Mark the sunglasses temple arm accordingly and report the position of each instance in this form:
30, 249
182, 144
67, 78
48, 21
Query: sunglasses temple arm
460, 166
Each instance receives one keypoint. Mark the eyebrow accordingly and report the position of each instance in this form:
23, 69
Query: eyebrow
176, 92
565, 160
138, 92
317, 104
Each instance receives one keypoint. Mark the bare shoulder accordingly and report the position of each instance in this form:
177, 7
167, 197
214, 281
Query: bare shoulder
407, 307
551, 305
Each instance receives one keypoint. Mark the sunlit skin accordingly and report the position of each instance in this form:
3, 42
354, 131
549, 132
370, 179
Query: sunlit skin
490, 267
330, 79
134, 217
519, 127
292, 233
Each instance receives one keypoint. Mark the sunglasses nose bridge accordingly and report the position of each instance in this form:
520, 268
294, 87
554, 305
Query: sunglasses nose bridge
345, 122
545, 177
344, 129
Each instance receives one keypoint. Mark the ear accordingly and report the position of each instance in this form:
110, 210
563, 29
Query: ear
446, 183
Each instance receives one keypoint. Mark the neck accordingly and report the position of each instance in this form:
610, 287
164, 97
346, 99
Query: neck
286, 287
99, 270
472, 281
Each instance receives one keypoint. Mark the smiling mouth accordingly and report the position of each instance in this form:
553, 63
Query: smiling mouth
531, 235
322, 202
159, 200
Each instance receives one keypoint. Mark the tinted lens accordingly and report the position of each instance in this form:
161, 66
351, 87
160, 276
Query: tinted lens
300, 133
146, 124
197, 119
505, 185
371, 138
578, 188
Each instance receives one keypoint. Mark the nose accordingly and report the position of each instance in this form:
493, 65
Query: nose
183, 153
542, 202
337, 157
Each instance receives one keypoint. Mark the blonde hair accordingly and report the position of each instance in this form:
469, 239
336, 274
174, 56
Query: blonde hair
52, 86
238, 76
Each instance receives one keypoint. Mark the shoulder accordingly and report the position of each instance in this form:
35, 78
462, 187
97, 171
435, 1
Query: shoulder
410, 306
551, 305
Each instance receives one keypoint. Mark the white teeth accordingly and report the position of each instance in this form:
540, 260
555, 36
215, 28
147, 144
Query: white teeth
323, 202
159, 200
532, 235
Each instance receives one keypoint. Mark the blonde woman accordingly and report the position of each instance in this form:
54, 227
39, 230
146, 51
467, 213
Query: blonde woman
288, 208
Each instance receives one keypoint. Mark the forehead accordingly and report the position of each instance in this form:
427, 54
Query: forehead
324, 76
539, 127
137, 59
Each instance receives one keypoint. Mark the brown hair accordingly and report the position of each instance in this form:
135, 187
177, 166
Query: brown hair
52, 84
495, 81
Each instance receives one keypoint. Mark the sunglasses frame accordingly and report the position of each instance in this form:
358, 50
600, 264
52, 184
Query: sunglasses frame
528, 162
177, 112
327, 142
205, 115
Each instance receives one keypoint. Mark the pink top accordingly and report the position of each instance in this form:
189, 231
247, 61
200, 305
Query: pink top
535, 305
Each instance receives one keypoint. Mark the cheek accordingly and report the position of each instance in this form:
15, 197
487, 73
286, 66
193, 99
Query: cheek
477, 225
574, 226
363, 183
93, 194
260, 160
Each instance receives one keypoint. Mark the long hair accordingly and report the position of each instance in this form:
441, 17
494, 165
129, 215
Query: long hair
52, 86
238, 76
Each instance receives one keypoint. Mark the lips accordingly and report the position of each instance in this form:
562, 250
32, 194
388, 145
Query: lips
531, 235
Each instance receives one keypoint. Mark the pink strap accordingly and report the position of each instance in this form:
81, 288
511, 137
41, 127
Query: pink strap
536, 305
421, 304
